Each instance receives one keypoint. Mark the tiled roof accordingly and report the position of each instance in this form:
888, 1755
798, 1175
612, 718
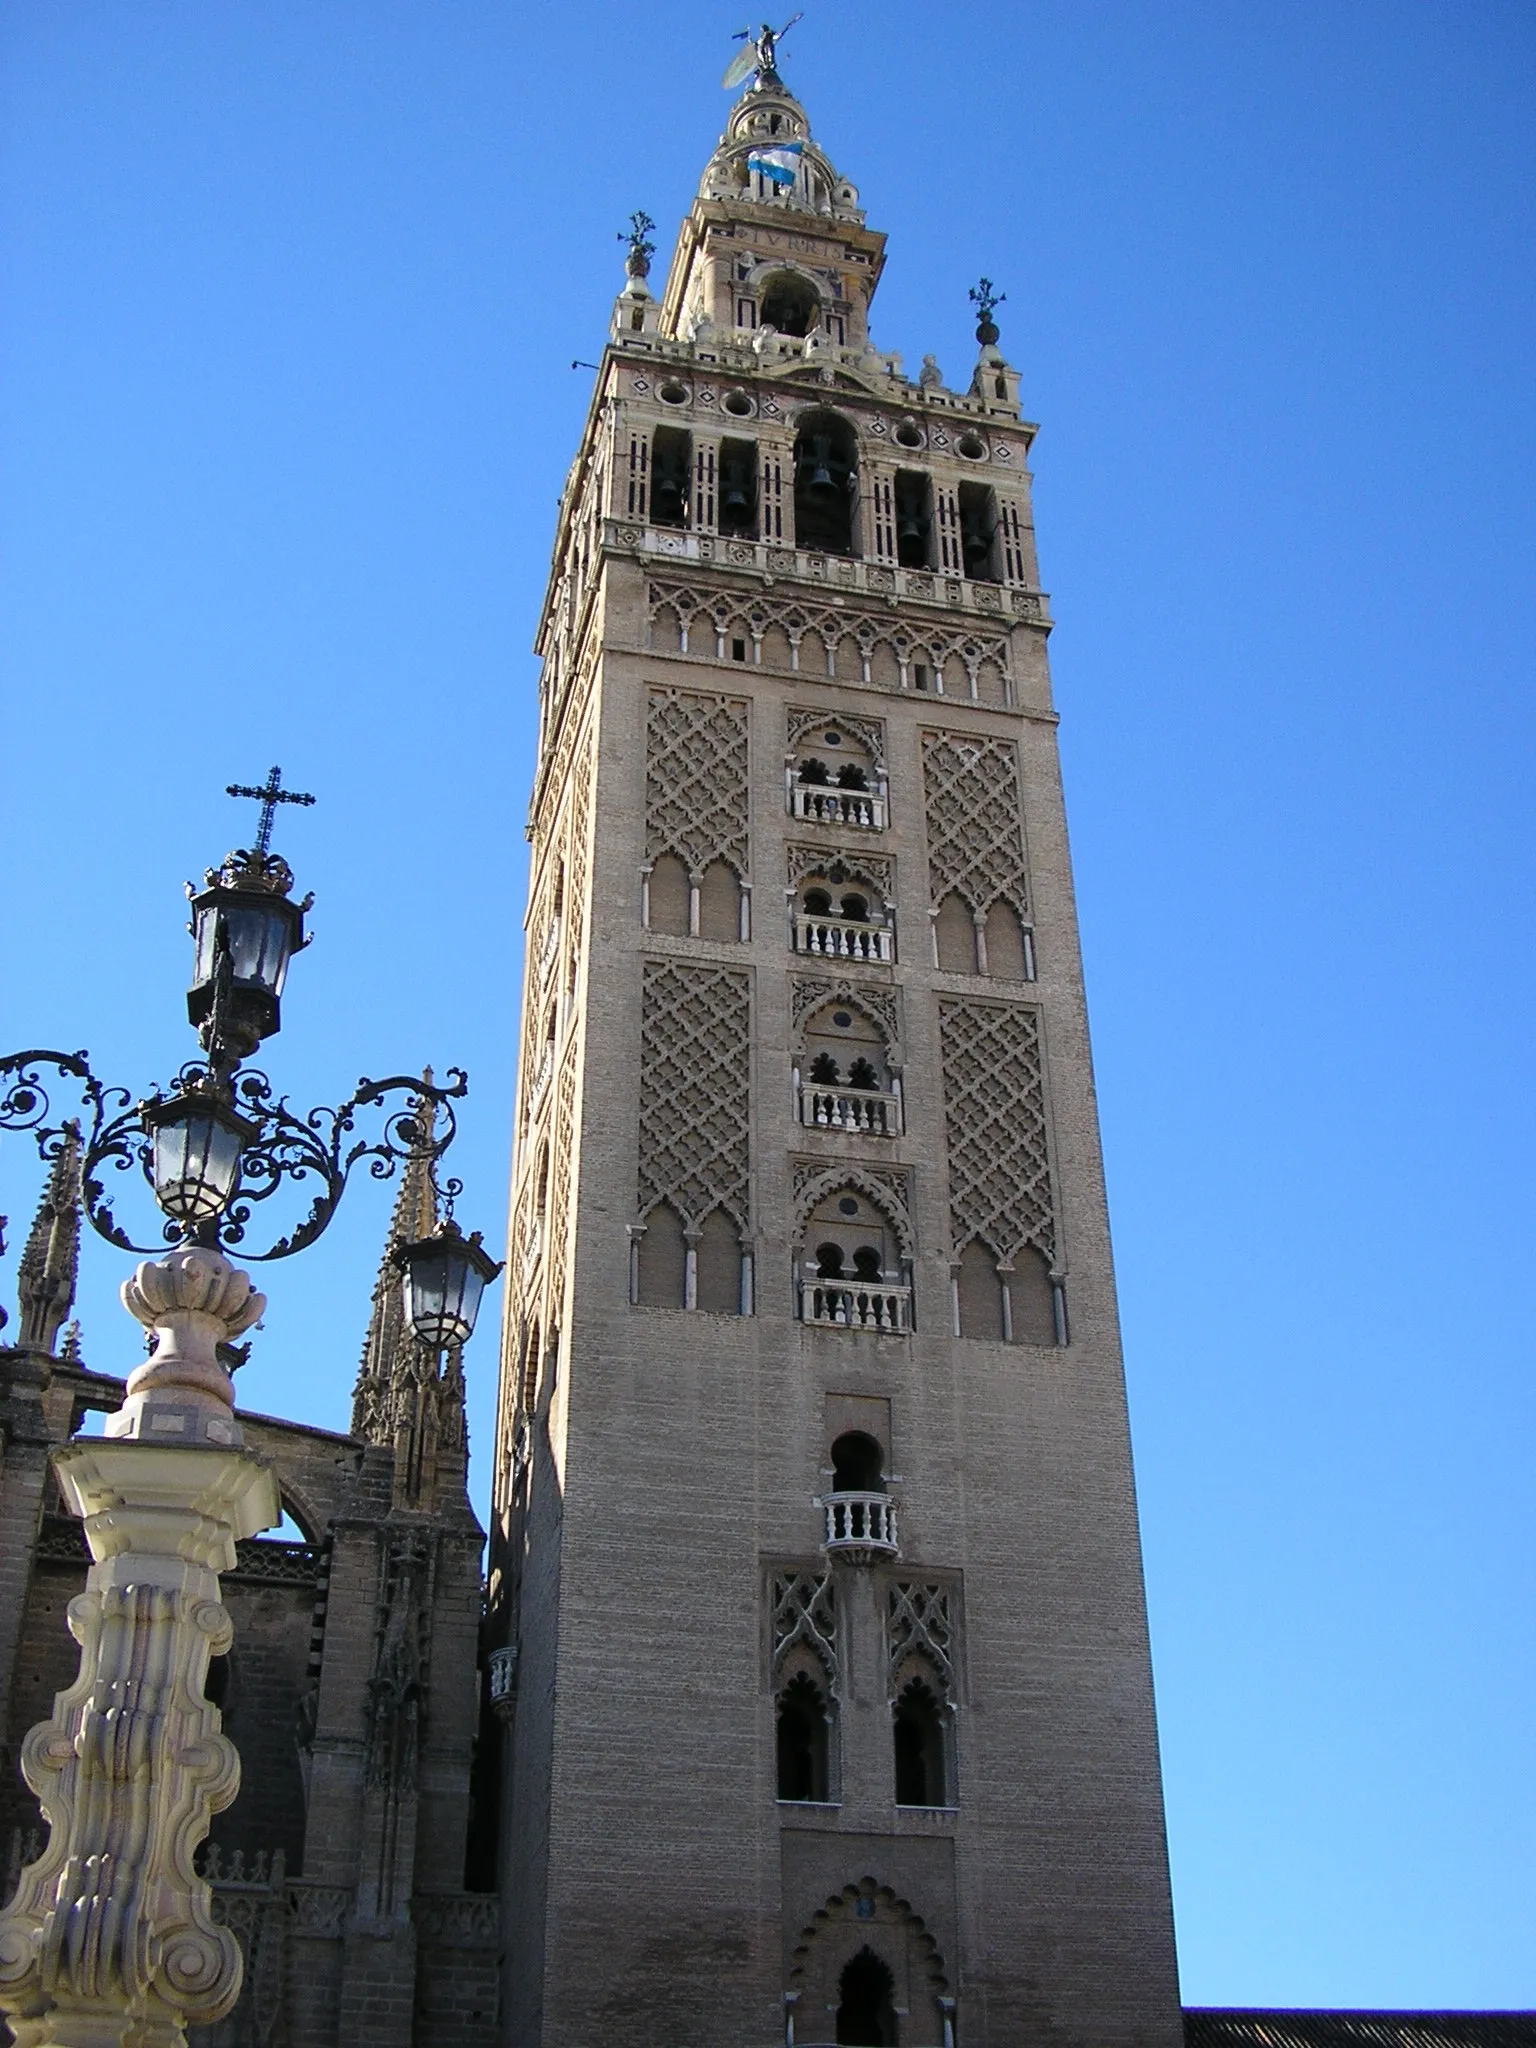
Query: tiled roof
1210, 2027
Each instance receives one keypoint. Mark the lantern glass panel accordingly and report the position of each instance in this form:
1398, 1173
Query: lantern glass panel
196, 1166
260, 939
442, 1289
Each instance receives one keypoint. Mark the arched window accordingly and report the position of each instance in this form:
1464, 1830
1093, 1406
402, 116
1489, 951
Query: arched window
1007, 947
720, 902
667, 897
802, 1740
738, 488
1032, 1298
981, 1294
845, 1081
790, 303
918, 1729
841, 922
978, 531
853, 1266
671, 476
663, 1260
835, 777
858, 1464
826, 483
914, 519
954, 937
866, 2010
719, 1266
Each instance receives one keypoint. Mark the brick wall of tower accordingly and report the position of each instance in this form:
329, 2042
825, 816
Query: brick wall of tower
657, 1886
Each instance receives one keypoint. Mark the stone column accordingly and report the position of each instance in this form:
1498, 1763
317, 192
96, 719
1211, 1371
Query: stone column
110, 1940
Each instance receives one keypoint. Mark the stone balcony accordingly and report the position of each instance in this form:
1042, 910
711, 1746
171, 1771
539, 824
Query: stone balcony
859, 1526
822, 804
855, 1305
842, 938
870, 1112
770, 561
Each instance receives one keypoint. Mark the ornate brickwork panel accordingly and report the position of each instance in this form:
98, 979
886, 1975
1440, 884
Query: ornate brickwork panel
696, 779
695, 1101
579, 851
875, 870
562, 1162
805, 1612
994, 1114
707, 620
975, 821
808, 995
887, 1187
870, 732
919, 1622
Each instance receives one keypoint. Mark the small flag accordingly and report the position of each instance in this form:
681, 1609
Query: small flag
780, 164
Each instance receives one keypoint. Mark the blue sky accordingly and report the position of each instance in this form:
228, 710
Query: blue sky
290, 292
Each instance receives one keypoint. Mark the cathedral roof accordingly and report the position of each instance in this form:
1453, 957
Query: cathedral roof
1207, 2027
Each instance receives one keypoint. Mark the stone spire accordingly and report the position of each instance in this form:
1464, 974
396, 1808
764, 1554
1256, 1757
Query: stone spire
388, 1349
45, 1277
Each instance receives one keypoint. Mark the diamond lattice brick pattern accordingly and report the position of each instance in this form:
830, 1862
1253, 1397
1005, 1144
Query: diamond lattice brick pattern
975, 822
696, 779
694, 1091
994, 1113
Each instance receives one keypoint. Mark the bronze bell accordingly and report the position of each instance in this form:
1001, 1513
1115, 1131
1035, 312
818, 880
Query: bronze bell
912, 531
821, 483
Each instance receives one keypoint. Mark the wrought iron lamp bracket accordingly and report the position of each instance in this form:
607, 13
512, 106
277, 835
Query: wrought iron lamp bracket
319, 1148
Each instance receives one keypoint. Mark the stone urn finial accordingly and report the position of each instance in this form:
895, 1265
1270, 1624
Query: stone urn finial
193, 1300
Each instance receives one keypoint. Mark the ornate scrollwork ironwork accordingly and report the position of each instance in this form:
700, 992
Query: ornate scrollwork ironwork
315, 1151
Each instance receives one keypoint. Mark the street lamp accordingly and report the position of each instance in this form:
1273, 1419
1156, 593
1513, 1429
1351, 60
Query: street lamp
444, 1276
111, 1931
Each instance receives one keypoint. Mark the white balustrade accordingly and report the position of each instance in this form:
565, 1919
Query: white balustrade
855, 1304
825, 805
860, 1523
841, 938
866, 1110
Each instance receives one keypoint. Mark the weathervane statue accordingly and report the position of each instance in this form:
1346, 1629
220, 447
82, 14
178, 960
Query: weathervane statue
759, 54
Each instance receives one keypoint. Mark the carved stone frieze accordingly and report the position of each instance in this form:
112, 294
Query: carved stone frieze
808, 995
876, 870
805, 1615
889, 1188
919, 1622
869, 732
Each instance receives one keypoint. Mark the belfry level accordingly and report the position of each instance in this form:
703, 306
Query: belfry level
815, 1593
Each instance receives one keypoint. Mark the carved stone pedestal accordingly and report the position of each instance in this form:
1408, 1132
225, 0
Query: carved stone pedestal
110, 1940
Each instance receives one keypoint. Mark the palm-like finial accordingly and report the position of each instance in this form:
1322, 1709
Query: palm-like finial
641, 247
986, 299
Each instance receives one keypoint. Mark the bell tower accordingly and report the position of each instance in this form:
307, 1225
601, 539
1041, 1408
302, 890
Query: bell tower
817, 1632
